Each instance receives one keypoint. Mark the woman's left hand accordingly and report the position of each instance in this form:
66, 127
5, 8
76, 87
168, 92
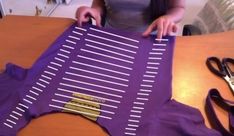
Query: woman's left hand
164, 26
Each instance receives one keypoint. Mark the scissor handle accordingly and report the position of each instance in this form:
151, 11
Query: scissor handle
219, 69
227, 62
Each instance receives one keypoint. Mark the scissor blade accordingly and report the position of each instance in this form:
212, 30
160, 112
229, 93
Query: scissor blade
230, 82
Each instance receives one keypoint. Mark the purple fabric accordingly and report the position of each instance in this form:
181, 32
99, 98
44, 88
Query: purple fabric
117, 79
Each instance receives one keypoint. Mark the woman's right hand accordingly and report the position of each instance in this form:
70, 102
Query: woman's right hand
84, 14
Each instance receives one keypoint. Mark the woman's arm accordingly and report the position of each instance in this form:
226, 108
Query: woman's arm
84, 13
176, 10
166, 24
99, 5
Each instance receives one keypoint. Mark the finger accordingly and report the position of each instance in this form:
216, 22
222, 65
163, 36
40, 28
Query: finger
85, 19
165, 27
96, 17
78, 12
169, 29
79, 21
82, 20
160, 30
98, 20
174, 28
150, 28
81, 17
78, 17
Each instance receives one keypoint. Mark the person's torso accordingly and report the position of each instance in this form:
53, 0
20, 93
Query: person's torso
131, 15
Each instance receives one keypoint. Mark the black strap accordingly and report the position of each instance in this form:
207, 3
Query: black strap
227, 105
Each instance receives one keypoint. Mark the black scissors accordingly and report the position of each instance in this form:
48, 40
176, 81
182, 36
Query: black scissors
222, 68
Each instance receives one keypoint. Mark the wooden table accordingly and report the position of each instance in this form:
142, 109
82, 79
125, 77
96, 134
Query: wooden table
23, 39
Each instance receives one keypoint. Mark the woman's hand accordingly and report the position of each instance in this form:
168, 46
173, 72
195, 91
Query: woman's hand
164, 26
84, 14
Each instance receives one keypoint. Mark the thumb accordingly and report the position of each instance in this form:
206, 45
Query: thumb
98, 21
175, 28
97, 17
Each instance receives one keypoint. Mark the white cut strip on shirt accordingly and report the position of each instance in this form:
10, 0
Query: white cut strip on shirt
56, 64
149, 81
159, 44
97, 79
69, 41
75, 32
31, 97
46, 77
65, 96
44, 81
23, 105
8, 125
14, 117
107, 56
132, 129
50, 73
154, 58
135, 116
155, 53
116, 35
151, 72
17, 113
143, 99
132, 125
11, 121
100, 68
95, 85
104, 62
111, 46
66, 51
157, 49
73, 37
150, 76
133, 120
28, 101
37, 89
136, 111
100, 74
109, 51
33, 92
40, 84
82, 106
69, 47
18, 108
143, 94
139, 103
148, 67
79, 28
138, 108
62, 55
114, 41
144, 85
131, 134
146, 90
80, 112
163, 40
92, 96
8, 120
59, 59
91, 90
153, 63
53, 68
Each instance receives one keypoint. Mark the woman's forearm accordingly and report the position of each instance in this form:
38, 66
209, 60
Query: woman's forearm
176, 10
99, 6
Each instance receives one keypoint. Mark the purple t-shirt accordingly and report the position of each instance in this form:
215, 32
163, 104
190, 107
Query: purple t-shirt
118, 79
